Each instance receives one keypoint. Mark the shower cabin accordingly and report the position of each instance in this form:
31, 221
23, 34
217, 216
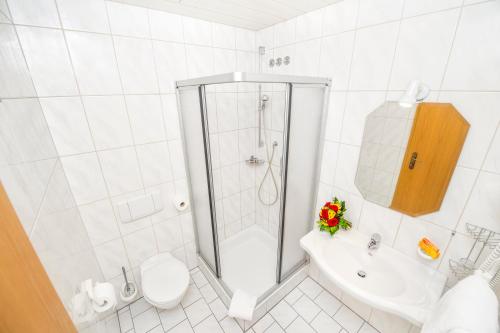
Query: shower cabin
253, 149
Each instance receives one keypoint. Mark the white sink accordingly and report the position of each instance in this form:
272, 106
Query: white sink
387, 280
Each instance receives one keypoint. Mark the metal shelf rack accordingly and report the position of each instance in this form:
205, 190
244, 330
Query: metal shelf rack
484, 240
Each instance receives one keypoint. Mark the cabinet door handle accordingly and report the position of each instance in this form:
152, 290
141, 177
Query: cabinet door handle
413, 159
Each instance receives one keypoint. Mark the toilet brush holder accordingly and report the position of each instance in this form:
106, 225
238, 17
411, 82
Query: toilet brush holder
128, 290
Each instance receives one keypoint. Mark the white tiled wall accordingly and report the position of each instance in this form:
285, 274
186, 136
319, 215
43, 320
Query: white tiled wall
372, 49
104, 76
104, 73
34, 179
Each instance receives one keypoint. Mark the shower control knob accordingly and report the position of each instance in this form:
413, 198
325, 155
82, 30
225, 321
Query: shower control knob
279, 61
271, 62
286, 60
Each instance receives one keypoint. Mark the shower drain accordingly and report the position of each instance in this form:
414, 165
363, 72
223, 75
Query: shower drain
362, 274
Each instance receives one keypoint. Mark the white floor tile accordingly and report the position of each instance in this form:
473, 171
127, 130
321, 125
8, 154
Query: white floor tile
125, 320
208, 293
274, 328
192, 295
283, 314
146, 321
172, 317
367, 328
348, 319
263, 324
310, 288
197, 311
299, 326
323, 323
329, 303
306, 308
208, 325
112, 324
229, 325
139, 306
293, 296
98, 327
183, 327
199, 279
157, 329
218, 309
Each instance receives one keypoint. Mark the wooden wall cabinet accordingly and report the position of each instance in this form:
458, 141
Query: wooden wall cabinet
408, 155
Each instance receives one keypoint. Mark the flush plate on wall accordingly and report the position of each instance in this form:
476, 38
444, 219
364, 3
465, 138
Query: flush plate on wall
248, 14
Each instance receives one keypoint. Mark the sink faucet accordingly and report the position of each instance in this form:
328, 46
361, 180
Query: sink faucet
374, 243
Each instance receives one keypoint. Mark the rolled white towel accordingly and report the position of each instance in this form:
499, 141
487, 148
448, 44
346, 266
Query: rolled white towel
469, 307
242, 305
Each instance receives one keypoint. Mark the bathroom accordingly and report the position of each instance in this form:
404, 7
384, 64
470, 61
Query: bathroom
138, 131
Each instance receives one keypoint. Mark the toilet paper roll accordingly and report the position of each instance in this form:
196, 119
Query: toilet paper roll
181, 202
104, 297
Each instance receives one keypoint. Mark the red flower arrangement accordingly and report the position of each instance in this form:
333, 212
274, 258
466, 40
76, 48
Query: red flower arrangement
331, 217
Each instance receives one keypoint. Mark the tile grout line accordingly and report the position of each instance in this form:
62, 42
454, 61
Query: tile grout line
348, 84
163, 110
110, 33
452, 46
5, 98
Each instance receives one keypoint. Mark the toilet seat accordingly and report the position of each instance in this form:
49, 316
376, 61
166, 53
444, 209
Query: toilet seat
165, 280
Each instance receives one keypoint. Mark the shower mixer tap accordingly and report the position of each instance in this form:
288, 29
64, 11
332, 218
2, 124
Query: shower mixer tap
253, 160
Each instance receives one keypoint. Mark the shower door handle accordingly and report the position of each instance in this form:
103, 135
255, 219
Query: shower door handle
281, 166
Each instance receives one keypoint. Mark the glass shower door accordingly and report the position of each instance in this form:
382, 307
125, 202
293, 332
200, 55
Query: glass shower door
245, 126
304, 128
195, 129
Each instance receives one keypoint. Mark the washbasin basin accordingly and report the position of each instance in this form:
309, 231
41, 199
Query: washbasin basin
369, 271
387, 279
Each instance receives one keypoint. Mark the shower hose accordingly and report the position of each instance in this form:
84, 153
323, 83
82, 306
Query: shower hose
269, 170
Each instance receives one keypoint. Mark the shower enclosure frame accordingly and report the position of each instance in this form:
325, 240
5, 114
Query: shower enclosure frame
242, 77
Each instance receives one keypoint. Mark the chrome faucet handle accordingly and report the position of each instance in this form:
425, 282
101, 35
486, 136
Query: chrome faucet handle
374, 242
376, 237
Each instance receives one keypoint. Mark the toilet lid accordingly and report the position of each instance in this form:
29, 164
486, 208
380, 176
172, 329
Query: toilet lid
164, 278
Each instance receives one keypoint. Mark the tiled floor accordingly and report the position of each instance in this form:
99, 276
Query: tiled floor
307, 308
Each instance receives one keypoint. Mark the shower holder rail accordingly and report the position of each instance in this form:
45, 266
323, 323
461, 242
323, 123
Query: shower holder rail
254, 160
483, 239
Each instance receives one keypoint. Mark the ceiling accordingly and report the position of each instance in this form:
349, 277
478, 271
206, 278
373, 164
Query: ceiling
248, 14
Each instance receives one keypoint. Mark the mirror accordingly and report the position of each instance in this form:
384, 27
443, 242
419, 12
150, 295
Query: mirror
408, 155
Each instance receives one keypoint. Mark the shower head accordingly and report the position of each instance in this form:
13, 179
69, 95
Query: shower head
265, 98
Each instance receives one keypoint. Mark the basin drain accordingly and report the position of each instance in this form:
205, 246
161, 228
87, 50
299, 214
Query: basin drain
362, 274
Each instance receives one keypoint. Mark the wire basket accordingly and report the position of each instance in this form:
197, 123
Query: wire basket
484, 239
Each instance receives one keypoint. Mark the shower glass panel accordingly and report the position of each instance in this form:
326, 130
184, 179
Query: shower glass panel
195, 132
247, 179
252, 143
305, 120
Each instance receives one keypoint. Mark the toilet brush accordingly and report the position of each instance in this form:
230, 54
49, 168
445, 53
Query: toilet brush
129, 289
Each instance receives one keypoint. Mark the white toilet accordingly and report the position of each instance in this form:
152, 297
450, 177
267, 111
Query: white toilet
165, 280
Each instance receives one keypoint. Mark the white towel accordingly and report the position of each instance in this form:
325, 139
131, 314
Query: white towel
242, 305
469, 307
